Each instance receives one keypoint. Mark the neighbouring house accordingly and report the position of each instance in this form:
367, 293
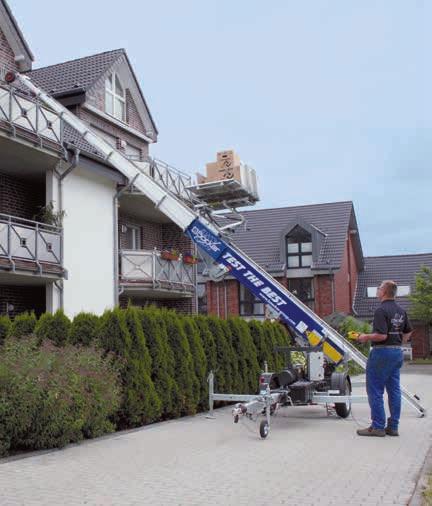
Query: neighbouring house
73, 233
402, 269
313, 250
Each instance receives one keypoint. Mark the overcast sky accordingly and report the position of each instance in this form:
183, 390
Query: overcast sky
328, 100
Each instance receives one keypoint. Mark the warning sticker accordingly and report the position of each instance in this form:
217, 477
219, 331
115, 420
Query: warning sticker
301, 327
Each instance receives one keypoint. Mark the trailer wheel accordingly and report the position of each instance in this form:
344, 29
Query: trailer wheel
264, 429
341, 382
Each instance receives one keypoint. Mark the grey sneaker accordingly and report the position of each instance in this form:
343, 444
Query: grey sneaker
391, 432
369, 431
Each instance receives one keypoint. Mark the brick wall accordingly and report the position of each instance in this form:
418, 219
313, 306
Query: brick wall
23, 298
111, 129
421, 340
346, 279
155, 235
223, 298
19, 197
6, 54
133, 118
323, 286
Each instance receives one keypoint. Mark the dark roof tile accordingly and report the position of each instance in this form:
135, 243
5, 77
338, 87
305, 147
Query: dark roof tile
260, 237
81, 73
400, 268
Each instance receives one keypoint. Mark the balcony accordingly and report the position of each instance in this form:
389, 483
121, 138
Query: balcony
145, 273
25, 117
29, 247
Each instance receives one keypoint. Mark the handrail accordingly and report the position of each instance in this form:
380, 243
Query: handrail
23, 239
148, 265
25, 114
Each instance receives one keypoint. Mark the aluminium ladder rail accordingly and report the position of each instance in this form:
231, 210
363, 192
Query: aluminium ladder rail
209, 238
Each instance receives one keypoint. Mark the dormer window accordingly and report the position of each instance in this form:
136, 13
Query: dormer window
115, 97
298, 248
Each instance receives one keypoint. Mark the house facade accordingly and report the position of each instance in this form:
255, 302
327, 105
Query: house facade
402, 269
314, 251
74, 233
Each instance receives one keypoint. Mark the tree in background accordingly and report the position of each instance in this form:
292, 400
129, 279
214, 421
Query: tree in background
421, 298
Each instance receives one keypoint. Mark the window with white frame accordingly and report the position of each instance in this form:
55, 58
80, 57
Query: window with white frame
115, 97
133, 237
298, 248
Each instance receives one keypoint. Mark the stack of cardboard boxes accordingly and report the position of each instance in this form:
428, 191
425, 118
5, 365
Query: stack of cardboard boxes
229, 166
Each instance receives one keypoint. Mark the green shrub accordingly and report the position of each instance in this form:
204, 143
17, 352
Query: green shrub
225, 370
352, 324
113, 333
162, 359
263, 338
23, 325
141, 401
183, 366
5, 325
200, 385
84, 329
246, 353
236, 377
55, 327
208, 342
52, 396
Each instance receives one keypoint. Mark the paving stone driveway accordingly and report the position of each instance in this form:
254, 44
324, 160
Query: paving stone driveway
308, 459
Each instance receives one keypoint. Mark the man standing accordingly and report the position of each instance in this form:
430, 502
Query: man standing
391, 328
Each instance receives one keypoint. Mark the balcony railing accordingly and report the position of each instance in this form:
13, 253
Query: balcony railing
147, 267
25, 116
30, 245
167, 176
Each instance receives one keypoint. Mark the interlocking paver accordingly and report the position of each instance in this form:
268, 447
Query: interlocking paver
308, 459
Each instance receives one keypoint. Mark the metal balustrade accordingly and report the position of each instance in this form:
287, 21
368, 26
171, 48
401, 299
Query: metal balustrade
147, 266
25, 116
167, 176
26, 242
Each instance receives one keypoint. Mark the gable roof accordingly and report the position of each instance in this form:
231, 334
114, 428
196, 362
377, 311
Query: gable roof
69, 76
15, 37
261, 236
77, 76
400, 268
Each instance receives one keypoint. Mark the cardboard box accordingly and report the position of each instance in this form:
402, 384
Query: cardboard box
228, 158
220, 173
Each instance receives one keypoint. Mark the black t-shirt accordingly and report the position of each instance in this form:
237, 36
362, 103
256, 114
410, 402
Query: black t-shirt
392, 320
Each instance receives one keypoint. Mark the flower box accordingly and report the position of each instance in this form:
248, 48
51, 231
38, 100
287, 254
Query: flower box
169, 255
190, 259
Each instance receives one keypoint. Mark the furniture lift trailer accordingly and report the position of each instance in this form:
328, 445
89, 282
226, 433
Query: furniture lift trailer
214, 241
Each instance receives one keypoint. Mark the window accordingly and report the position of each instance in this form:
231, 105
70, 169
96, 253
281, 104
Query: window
402, 291
202, 298
133, 237
115, 97
298, 248
302, 288
249, 304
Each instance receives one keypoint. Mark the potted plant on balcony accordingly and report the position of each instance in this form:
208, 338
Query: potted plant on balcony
170, 254
190, 258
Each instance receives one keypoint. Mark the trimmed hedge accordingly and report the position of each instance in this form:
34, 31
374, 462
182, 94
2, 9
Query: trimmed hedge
162, 361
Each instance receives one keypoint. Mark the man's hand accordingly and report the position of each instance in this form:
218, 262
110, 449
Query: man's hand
363, 338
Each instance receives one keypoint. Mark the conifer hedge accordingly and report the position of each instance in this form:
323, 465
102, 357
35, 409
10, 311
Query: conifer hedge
162, 359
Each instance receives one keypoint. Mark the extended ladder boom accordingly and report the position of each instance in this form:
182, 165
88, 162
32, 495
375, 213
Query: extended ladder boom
209, 238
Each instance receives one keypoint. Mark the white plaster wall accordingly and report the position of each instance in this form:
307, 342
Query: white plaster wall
88, 242
53, 296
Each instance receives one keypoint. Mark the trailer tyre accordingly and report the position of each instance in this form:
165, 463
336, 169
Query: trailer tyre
264, 429
340, 381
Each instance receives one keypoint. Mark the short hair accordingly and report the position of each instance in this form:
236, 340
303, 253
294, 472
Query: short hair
390, 288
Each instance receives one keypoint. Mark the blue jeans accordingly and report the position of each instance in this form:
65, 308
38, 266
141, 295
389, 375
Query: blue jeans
383, 371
